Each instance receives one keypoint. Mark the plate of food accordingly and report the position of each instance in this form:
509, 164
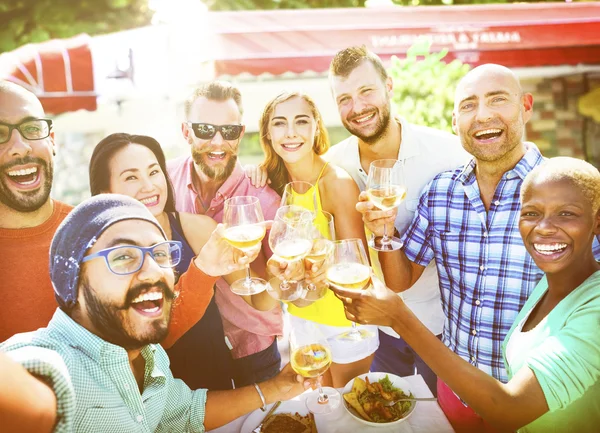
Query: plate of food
291, 416
367, 397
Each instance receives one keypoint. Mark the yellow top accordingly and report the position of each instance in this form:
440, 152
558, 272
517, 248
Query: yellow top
328, 310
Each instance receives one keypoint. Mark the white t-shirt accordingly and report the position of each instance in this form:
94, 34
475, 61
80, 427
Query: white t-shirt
425, 152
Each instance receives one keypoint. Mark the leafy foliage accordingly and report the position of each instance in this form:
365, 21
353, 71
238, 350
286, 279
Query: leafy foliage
25, 21
232, 5
424, 86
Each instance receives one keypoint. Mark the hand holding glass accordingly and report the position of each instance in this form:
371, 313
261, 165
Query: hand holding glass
386, 189
289, 241
350, 269
244, 230
310, 357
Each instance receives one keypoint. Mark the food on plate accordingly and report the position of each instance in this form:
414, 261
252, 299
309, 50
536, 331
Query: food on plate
369, 400
289, 423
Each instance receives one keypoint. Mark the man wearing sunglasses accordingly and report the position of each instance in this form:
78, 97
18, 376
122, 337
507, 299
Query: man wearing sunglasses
28, 216
111, 267
202, 182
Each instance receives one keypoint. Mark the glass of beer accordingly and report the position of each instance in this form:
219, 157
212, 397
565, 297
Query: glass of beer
350, 270
386, 190
310, 357
244, 230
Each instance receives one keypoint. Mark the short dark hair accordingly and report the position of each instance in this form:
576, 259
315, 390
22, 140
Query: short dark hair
348, 59
216, 91
99, 171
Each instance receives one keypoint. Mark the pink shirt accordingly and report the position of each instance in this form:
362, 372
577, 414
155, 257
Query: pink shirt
249, 331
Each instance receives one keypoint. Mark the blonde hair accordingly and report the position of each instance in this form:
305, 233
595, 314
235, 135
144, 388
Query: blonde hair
273, 163
582, 174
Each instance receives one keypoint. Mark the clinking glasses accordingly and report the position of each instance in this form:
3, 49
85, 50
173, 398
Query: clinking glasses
128, 259
206, 131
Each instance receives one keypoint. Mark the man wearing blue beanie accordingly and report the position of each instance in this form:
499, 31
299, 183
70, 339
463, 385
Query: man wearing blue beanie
111, 267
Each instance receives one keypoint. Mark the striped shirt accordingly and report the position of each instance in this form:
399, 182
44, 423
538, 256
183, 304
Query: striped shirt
95, 388
485, 272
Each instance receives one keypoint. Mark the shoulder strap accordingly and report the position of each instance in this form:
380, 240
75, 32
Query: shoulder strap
322, 171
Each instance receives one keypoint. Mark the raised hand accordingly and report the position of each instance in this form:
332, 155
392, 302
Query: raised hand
218, 257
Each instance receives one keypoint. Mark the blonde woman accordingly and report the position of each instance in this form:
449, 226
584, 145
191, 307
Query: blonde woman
293, 138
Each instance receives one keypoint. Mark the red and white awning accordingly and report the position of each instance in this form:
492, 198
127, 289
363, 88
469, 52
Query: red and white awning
58, 71
514, 35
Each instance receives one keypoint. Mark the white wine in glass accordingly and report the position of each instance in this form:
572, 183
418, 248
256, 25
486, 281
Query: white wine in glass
289, 242
350, 269
322, 233
245, 237
310, 357
243, 220
351, 276
386, 189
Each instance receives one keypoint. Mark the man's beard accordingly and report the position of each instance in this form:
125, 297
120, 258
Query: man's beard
380, 129
218, 174
27, 201
110, 324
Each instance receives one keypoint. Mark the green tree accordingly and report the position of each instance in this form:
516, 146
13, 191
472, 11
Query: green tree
25, 21
424, 86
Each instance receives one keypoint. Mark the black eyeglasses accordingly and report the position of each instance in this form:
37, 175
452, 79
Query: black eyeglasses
33, 129
206, 131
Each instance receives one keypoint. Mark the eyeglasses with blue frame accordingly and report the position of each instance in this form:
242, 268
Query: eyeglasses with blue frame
128, 259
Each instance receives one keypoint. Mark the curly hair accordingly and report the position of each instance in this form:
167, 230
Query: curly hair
582, 174
273, 163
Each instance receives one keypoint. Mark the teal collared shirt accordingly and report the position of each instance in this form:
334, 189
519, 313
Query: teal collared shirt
95, 387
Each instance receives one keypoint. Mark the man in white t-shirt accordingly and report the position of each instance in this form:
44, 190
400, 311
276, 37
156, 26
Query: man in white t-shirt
363, 90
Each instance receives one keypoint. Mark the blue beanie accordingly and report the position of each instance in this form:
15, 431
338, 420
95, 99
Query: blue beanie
80, 230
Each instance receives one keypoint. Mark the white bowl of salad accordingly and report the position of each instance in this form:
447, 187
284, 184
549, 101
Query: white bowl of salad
365, 398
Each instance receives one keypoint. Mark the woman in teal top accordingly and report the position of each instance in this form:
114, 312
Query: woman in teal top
552, 352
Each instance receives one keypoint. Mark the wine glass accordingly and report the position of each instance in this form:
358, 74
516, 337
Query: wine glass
310, 357
386, 189
322, 233
350, 269
289, 241
300, 193
244, 229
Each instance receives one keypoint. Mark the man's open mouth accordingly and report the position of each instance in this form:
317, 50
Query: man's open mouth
218, 156
24, 176
365, 118
488, 134
149, 303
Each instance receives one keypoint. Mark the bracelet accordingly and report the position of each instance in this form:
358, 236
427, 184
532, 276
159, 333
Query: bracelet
262, 397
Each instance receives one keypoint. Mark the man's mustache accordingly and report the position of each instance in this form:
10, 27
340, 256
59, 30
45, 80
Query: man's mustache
135, 291
23, 161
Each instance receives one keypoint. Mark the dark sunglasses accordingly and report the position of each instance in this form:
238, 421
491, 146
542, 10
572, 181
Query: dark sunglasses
206, 131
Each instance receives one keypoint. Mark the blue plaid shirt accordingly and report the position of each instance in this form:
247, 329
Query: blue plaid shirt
485, 272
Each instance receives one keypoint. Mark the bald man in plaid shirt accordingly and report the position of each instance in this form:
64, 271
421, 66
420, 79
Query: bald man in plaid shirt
467, 221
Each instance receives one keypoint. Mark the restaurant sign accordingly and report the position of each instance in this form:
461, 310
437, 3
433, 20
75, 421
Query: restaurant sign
456, 40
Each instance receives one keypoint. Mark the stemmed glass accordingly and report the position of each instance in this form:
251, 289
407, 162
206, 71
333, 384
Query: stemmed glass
244, 229
350, 269
289, 241
322, 233
386, 189
295, 194
310, 356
